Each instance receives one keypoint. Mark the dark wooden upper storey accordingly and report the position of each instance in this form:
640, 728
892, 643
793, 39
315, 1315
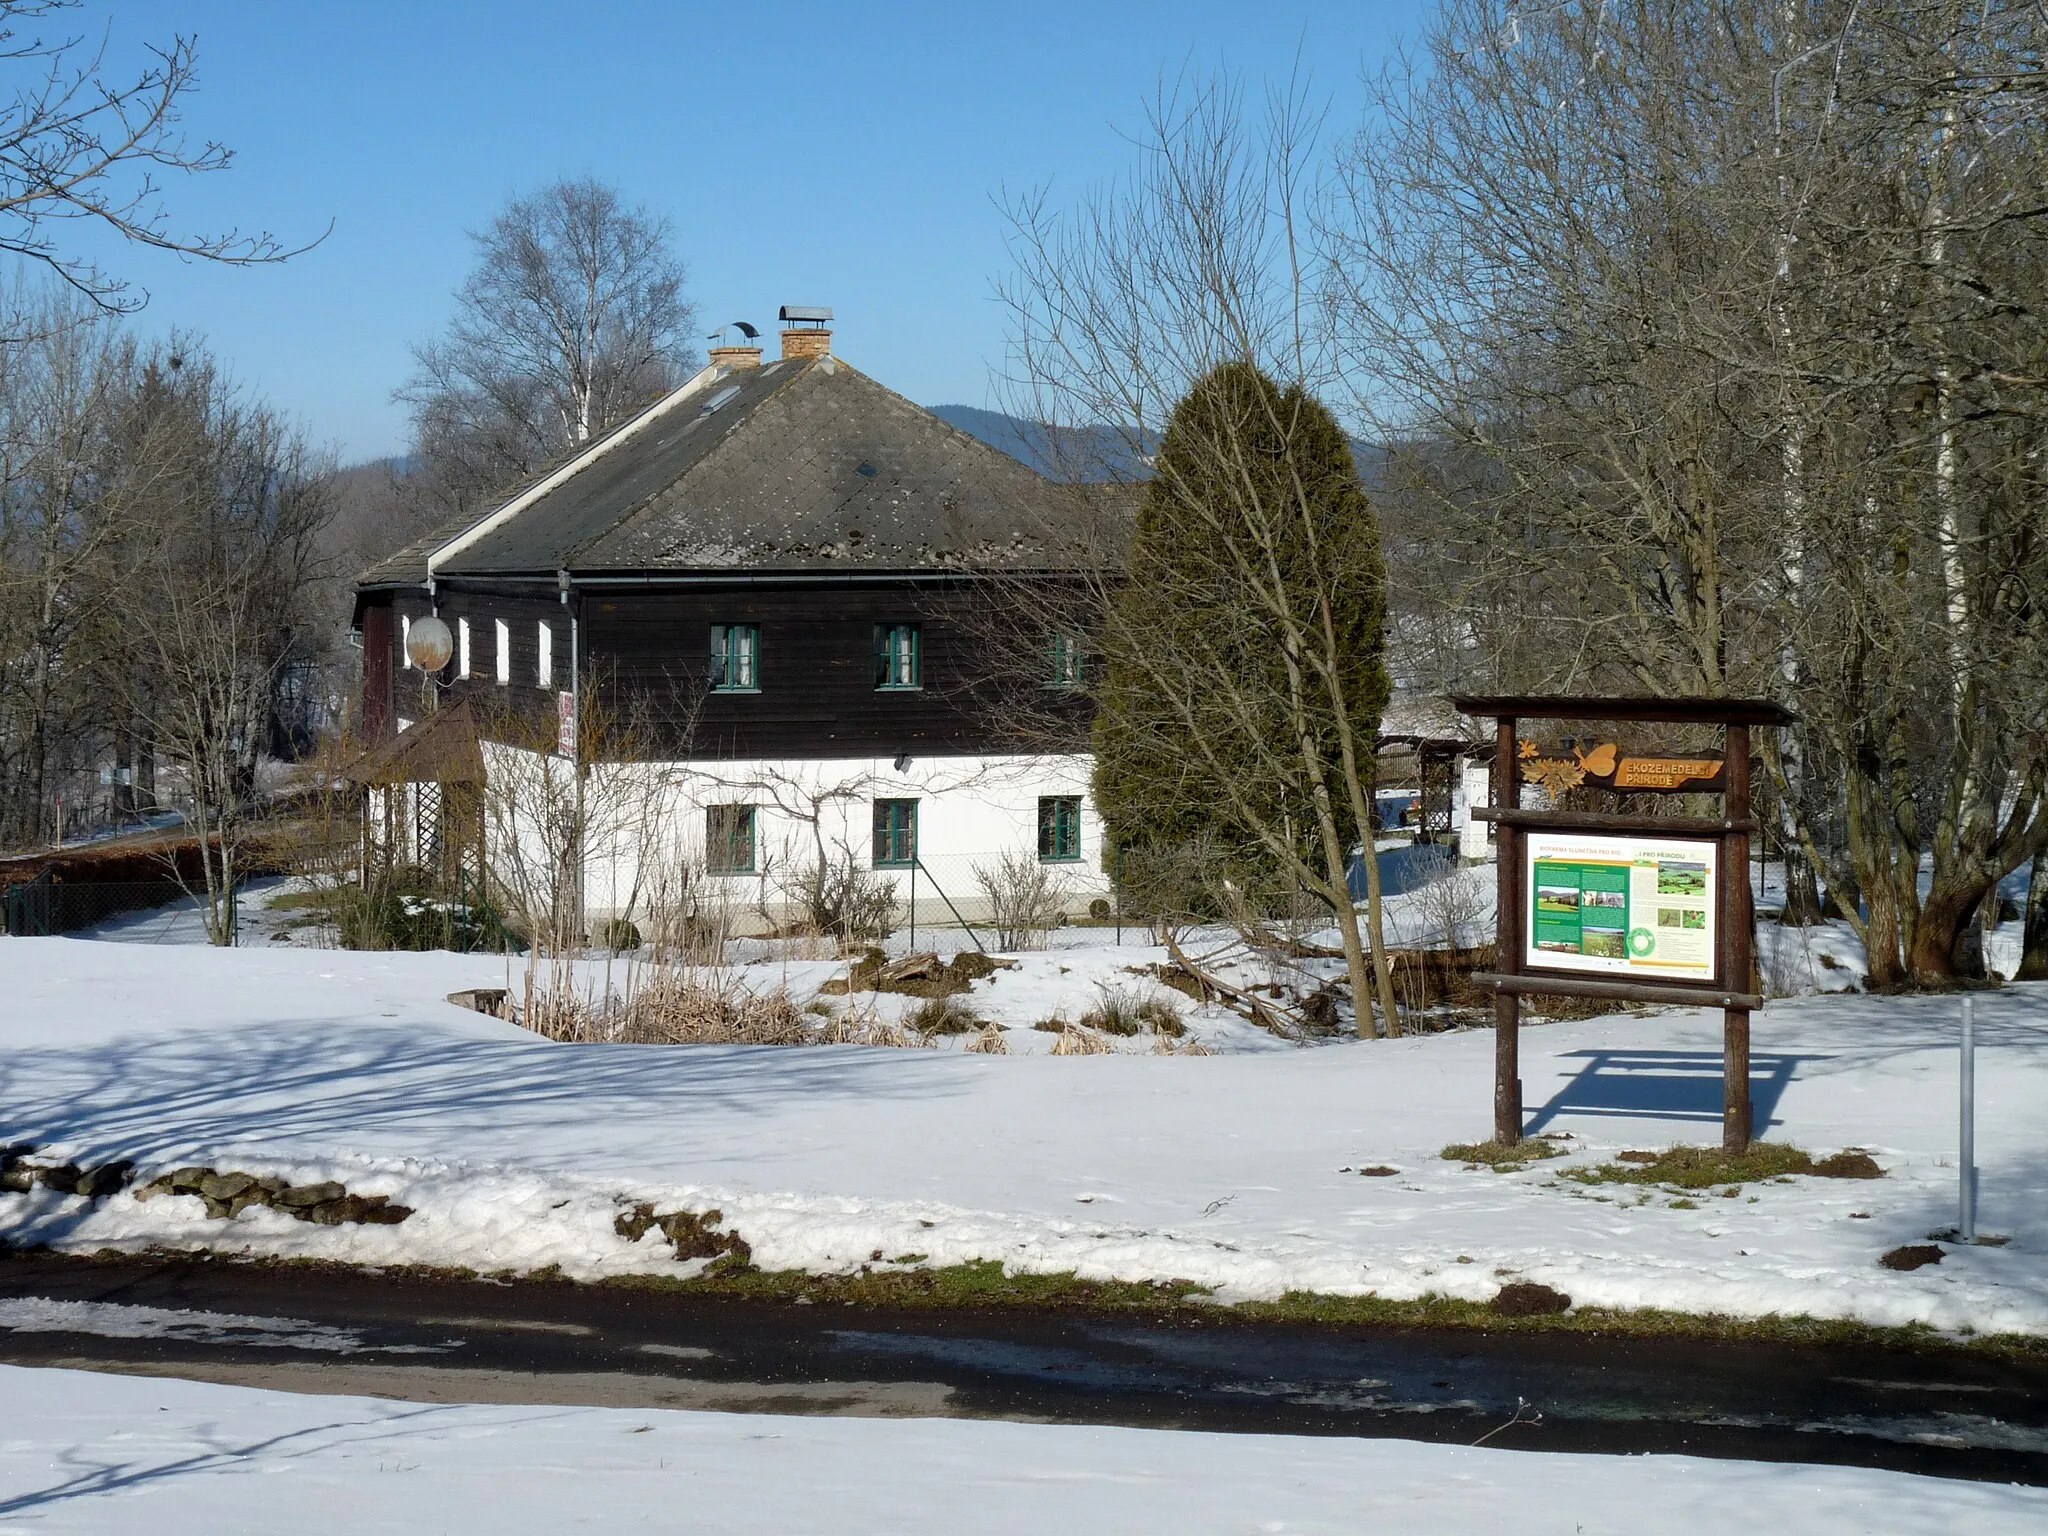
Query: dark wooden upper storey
802, 498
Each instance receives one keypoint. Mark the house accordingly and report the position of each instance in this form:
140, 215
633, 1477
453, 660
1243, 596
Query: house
756, 634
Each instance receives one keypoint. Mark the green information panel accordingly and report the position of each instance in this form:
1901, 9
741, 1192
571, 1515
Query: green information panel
1622, 905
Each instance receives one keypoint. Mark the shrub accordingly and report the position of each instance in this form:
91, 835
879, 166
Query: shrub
1023, 900
840, 898
411, 918
942, 1016
618, 934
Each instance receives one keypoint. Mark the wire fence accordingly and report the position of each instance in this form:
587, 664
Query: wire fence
45, 905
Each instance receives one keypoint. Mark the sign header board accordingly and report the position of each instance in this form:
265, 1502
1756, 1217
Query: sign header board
1637, 906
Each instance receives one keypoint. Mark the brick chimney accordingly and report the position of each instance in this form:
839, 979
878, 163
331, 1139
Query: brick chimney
735, 357
804, 331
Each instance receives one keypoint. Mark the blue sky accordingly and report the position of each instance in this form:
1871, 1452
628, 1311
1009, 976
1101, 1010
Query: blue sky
846, 155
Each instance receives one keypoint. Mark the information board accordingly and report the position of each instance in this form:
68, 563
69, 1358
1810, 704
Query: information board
1623, 905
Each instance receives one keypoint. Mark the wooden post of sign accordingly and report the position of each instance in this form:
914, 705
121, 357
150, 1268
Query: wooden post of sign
1507, 1004
1738, 941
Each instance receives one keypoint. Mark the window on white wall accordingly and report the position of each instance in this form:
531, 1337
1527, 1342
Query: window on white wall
462, 647
729, 844
502, 638
544, 663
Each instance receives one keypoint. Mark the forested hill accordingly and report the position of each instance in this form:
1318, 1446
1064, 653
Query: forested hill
1099, 453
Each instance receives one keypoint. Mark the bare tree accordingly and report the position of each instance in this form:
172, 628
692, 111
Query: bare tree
221, 507
80, 144
1729, 324
58, 391
573, 320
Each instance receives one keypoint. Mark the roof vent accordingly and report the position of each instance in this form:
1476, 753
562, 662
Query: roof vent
806, 330
724, 397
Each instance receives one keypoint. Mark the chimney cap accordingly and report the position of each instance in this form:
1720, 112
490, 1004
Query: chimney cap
804, 314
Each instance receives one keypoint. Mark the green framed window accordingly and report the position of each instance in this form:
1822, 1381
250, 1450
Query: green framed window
735, 658
895, 834
1059, 829
1063, 661
729, 842
899, 656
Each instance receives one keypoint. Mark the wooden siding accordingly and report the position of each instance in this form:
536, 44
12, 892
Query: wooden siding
648, 652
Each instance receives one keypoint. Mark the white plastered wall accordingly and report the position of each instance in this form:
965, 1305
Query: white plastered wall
648, 820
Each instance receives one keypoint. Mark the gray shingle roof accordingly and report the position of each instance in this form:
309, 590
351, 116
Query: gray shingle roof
801, 466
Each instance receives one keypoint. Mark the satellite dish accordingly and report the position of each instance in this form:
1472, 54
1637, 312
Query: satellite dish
428, 645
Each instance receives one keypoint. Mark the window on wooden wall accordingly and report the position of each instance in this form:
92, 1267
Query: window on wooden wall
895, 834
501, 637
1063, 662
462, 647
735, 658
405, 640
729, 841
899, 656
544, 656
1059, 829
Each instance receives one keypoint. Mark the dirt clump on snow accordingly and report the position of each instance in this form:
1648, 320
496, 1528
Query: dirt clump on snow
691, 1234
1526, 1299
228, 1194
918, 974
1912, 1256
1852, 1164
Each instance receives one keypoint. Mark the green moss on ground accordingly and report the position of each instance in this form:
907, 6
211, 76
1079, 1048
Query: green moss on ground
1701, 1167
1501, 1157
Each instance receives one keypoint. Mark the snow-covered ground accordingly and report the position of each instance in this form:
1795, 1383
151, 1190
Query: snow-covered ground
1237, 1171
111, 1454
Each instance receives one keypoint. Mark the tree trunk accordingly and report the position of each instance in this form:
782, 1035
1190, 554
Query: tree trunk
1375, 907
2034, 956
1931, 948
1802, 890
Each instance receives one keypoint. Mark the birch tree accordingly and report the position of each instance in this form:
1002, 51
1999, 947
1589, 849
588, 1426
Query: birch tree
572, 320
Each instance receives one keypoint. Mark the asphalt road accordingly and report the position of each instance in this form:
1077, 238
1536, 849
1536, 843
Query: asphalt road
1947, 1413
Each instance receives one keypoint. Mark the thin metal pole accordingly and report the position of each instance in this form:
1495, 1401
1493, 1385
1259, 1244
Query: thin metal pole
1966, 1226
913, 905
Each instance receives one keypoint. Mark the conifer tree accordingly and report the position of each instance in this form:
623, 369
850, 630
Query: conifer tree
1243, 657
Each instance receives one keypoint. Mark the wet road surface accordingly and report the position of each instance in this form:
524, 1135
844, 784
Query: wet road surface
1947, 1413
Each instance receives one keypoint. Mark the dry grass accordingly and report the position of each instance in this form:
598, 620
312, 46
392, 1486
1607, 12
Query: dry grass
662, 1004
988, 1041
869, 1030
1119, 1012
1080, 1042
